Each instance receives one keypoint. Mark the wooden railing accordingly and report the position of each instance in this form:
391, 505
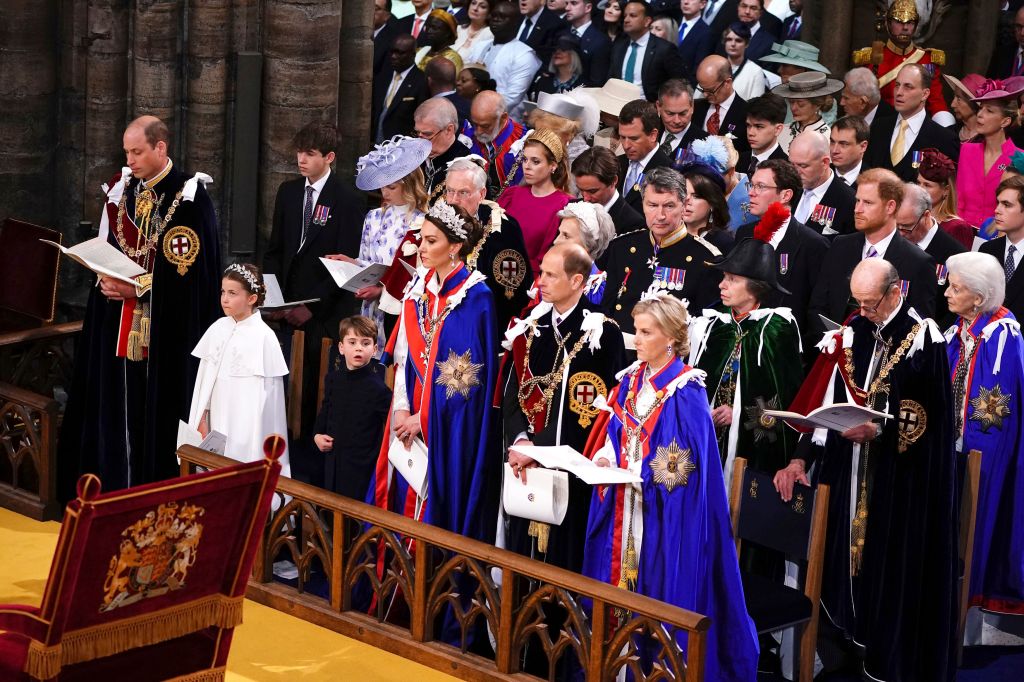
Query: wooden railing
32, 363
336, 543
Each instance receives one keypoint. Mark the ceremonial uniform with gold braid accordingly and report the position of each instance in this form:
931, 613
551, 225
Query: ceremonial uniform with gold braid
891, 547
678, 266
133, 368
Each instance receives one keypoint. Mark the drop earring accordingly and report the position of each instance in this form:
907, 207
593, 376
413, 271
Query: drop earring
451, 258
668, 350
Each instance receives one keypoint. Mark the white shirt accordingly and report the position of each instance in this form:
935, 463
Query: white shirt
686, 26
712, 10
870, 116
533, 24
675, 138
880, 246
929, 236
723, 110
639, 169
318, 187
754, 28
1016, 254
422, 18
512, 65
779, 235
811, 197
914, 124
582, 29
764, 156
850, 176
394, 85
611, 202
638, 67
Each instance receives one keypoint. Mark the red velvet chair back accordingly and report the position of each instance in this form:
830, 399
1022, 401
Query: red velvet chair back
147, 565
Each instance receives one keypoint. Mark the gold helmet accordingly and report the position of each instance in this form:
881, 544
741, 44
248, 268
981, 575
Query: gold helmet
904, 11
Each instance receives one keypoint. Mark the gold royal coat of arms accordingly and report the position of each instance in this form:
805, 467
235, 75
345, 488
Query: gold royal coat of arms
155, 556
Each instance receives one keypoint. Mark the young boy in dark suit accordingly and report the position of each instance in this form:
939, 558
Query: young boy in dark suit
350, 426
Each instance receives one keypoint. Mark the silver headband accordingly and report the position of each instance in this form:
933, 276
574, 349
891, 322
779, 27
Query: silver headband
254, 283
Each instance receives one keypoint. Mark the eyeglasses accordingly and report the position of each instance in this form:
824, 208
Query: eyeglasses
909, 227
461, 194
427, 136
873, 308
714, 89
758, 187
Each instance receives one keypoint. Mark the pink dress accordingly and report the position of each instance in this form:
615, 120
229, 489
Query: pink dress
975, 189
537, 216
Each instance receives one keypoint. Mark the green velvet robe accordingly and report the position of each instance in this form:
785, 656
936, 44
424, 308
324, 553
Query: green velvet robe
769, 374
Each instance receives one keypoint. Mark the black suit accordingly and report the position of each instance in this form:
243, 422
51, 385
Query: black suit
661, 62
1015, 287
398, 119
382, 44
406, 23
626, 218
544, 33
697, 44
734, 123
743, 165
931, 135
726, 15
940, 249
302, 276
839, 196
798, 258
632, 194
787, 23
597, 54
461, 105
831, 297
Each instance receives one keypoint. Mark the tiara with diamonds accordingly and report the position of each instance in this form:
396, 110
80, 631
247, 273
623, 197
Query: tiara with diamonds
254, 283
444, 212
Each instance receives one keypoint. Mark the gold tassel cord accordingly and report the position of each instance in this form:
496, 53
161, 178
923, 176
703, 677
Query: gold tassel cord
134, 350
541, 531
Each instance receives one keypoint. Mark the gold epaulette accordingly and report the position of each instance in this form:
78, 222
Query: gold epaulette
938, 56
877, 52
862, 57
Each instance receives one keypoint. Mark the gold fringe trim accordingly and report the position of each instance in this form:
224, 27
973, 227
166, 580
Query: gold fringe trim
106, 640
211, 675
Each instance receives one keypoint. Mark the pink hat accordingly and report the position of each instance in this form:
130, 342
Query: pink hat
991, 89
968, 87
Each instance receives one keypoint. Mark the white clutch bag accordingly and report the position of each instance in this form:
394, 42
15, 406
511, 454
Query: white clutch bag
411, 463
544, 497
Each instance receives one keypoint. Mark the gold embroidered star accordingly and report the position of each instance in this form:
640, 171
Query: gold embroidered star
990, 407
458, 374
672, 466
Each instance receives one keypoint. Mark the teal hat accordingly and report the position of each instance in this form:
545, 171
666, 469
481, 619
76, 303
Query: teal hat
797, 53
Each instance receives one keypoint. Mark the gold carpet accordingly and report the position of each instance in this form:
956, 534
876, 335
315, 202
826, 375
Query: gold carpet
269, 646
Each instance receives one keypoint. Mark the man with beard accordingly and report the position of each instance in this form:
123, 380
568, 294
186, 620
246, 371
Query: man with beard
886, 59
492, 133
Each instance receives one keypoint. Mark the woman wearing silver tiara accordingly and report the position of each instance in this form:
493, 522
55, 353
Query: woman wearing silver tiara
394, 168
239, 389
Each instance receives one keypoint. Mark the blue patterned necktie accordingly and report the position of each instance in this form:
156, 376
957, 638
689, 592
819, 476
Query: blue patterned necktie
307, 214
1010, 265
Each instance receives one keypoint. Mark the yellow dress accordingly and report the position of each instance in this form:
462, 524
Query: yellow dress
423, 58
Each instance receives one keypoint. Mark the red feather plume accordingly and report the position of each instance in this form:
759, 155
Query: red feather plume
770, 222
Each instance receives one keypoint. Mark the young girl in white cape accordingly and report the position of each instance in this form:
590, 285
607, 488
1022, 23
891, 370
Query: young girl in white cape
240, 387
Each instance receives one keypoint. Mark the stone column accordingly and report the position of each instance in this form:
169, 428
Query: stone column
982, 28
356, 85
156, 46
300, 84
829, 25
28, 88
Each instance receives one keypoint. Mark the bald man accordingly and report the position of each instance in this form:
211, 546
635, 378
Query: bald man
825, 204
719, 110
133, 368
891, 554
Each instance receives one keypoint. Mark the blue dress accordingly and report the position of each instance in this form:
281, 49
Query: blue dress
987, 365
670, 537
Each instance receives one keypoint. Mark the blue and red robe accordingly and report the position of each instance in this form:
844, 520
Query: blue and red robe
455, 415
686, 555
991, 419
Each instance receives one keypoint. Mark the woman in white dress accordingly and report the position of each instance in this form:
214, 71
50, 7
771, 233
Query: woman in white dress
748, 79
809, 95
393, 168
475, 34
239, 389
